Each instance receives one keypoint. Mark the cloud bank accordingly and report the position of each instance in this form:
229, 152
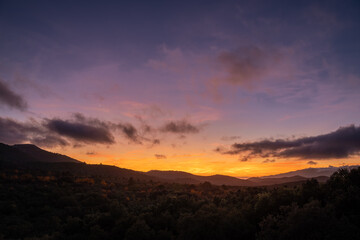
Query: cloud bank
79, 129
13, 132
342, 143
82, 132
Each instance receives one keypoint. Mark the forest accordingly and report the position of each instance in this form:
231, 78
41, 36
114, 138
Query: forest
40, 204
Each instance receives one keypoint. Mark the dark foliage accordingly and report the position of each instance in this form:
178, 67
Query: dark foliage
50, 204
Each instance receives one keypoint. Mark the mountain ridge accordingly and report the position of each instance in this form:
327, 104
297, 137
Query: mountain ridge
310, 172
29, 155
42, 155
182, 177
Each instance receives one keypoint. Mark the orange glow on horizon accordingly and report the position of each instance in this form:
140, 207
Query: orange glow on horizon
200, 164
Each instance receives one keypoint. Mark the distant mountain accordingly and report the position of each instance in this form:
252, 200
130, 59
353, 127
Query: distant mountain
31, 156
42, 155
184, 177
276, 181
311, 172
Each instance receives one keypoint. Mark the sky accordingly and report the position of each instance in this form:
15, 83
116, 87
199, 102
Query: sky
241, 88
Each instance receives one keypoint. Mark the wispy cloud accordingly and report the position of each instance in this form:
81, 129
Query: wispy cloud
11, 99
246, 65
268, 161
181, 126
160, 156
311, 163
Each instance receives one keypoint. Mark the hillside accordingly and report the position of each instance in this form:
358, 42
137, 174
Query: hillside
27, 156
284, 180
53, 205
42, 155
31, 156
184, 177
11, 155
311, 172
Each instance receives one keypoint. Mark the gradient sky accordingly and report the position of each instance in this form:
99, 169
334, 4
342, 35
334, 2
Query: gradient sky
207, 87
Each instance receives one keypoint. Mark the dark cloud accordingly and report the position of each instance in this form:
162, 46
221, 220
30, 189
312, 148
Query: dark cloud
311, 163
82, 130
181, 126
13, 132
93, 130
160, 156
341, 143
77, 130
10, 99
130, 132
49, 141
269, 161
244, 159
90, 153
221, 149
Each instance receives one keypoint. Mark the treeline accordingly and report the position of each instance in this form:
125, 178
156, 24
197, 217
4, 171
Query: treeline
59, 205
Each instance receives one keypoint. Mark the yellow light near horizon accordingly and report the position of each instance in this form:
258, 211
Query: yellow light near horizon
202, 164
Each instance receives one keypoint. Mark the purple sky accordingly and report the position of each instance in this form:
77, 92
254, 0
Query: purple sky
163, 85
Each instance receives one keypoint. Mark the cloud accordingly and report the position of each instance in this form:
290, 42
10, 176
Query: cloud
93, 130
244, 159
13, 132
269, 161
50, 141
11, 99
82, 129
130, 132
160, 156
342, 143
77, 130
311, 163
255, 68
181, 126
245, 65
90, 153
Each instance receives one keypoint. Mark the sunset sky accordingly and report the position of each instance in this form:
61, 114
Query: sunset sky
241, 88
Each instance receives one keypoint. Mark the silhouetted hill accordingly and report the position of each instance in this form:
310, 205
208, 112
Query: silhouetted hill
311, 172
25, 153
278, 181
10, 155
27, 156
99, 170
31, 156
184, 177
42, 155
